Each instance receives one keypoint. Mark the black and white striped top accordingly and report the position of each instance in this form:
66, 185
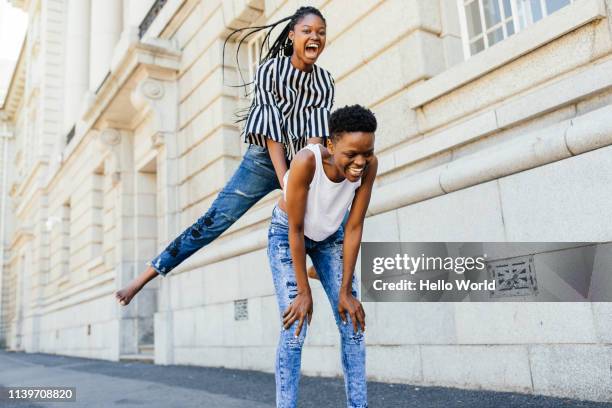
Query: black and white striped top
290, 105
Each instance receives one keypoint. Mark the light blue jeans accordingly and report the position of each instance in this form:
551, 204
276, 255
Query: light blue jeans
326, 256
254, 178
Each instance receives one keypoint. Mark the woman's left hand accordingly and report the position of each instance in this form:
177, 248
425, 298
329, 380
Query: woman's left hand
348, 304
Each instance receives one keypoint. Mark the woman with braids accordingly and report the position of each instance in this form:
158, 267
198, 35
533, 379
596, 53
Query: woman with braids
291, 107
321, 185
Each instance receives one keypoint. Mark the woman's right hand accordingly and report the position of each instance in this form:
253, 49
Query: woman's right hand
300, 309
282, 181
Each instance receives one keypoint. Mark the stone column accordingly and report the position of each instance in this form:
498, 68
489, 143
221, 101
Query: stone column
76, 80
134, 12
161, 98
118, 147
145, 221
6, 134
106, 27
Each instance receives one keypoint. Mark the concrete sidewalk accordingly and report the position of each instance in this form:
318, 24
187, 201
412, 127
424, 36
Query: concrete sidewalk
102, 383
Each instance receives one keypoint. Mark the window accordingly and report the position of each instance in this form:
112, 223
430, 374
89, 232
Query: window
487, 22
250, 53
255, 52
248, 61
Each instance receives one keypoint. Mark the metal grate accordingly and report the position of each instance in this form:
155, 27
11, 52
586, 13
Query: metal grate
241, 309
102, 83
513, 277
70, 135
148, 20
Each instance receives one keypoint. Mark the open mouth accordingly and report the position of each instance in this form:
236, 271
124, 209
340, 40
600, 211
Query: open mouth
312, 49
355, 171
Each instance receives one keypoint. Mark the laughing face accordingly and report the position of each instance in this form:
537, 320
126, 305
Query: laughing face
308, 37
352, 153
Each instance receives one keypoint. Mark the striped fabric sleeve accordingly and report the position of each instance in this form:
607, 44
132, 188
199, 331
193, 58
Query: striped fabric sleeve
264, 119
318, 121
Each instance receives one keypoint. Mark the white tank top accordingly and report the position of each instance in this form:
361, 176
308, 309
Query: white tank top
327, 201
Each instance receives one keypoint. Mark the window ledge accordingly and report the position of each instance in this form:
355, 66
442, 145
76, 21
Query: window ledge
554, 26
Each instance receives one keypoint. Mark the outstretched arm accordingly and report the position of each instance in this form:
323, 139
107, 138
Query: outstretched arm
347, 303
302, 172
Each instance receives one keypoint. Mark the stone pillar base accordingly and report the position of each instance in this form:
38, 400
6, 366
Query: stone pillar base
164, 348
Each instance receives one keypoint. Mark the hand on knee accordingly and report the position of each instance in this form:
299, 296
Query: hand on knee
291, 340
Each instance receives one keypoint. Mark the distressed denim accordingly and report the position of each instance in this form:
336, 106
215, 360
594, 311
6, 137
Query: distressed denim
254, 179
326, 257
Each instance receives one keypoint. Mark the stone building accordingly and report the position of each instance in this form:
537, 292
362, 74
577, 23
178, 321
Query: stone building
117, 132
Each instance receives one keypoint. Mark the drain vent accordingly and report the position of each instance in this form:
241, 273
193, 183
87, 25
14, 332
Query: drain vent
513, 277
241, 309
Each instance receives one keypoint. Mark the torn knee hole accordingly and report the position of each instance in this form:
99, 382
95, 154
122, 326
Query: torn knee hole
208, 217
292, 288
295, 343
355, 338
242, 193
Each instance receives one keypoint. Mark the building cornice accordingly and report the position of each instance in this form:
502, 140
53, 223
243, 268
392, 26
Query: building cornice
112, 105
158, 61
14, 94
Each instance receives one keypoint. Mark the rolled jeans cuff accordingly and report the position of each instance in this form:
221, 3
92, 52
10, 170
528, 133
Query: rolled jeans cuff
156, 269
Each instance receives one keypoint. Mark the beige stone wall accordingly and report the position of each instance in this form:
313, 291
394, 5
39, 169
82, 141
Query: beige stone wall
529, 94
507, 146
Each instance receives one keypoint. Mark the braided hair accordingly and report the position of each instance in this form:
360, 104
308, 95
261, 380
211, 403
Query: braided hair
282, 46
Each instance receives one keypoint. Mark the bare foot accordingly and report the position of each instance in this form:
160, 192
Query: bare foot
312, 273
125, 295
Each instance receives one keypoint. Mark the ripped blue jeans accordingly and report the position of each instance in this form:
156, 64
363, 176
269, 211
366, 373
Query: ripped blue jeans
254, 178
326, 257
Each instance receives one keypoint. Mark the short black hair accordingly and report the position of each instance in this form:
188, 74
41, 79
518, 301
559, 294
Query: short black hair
354, 118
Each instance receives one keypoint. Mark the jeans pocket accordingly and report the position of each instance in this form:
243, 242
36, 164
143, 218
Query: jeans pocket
258, 148
259, 153
261, 159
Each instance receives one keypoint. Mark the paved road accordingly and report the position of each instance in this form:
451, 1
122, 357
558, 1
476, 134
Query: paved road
121, 384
